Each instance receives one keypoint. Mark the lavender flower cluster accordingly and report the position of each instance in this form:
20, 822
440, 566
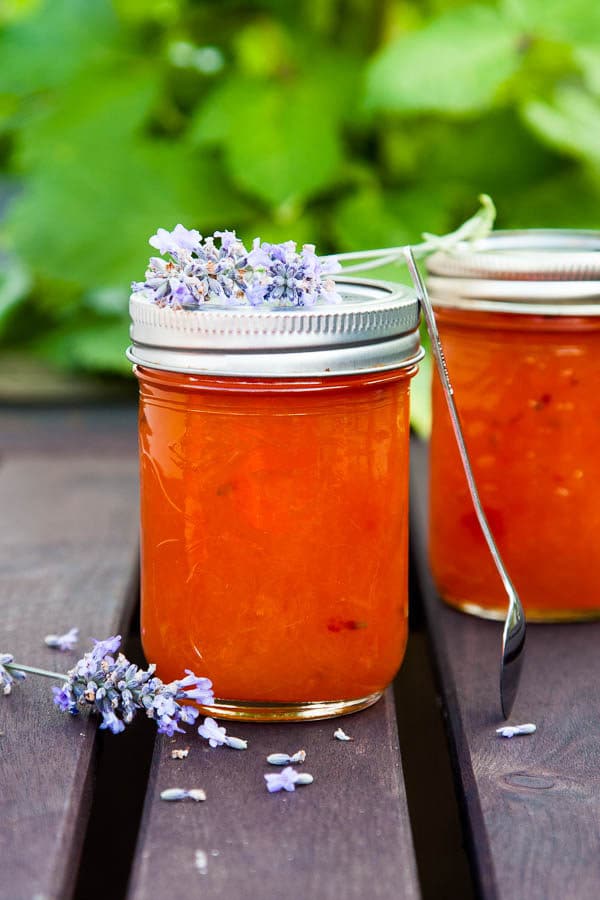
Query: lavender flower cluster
221, 271
117, 689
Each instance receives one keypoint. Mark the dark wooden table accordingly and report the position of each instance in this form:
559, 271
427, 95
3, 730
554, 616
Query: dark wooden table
404, 811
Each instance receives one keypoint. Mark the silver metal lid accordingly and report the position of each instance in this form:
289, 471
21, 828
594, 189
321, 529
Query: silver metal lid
374, 328
553, 272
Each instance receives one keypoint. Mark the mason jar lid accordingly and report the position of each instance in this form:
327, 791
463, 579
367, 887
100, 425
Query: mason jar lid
374, 328
553, 272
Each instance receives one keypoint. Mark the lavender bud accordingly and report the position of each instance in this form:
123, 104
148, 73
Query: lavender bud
173, 794
236, 743
304, 778
279, 759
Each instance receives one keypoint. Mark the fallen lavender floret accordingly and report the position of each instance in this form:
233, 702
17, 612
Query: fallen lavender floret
509, 731
8, 678
180, 754
63, 642
282, 759
216, 735
117, 689
286, 780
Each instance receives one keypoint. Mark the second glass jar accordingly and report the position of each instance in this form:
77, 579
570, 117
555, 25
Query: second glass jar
520, 323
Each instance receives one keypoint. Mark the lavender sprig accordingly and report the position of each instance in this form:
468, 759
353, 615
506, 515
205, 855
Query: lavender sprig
220, 270
8, 674
116, 689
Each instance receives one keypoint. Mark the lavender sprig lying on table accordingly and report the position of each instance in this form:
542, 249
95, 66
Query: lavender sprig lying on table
117, 689
220, 270
8, 674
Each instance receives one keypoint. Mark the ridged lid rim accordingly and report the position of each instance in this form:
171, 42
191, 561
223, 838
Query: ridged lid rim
549, 254
547, 272
375, 327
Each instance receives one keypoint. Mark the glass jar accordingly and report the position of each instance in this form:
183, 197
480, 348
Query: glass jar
520, 323
274, 467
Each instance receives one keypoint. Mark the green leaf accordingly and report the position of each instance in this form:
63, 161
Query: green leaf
588, 59
451, 152
302, 228
108, 301
457, 63
567, 200
97, 345
97, 188
281, 143
15, 284
372, 218
573, 21
571, 123
250, 43
140, 11
99, 109
215, 119
92, 220
51, 45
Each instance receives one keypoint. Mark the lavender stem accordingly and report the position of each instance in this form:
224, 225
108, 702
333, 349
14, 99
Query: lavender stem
36, 671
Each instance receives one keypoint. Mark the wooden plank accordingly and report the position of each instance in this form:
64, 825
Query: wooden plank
532, 803
346, 835
96, 429
68, 536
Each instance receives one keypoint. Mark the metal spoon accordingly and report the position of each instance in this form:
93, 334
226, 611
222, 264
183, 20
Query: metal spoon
513, 638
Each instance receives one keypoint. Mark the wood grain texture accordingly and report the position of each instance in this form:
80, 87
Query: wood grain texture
68, 536
532, 803
345, 836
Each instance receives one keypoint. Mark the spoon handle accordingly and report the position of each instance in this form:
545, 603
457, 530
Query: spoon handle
514, 627
440, 360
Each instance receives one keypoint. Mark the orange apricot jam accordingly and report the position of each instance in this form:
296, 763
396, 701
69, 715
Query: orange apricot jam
526, 387
274, 536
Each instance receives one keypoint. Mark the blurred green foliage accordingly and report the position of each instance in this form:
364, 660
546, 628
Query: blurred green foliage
348, 123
